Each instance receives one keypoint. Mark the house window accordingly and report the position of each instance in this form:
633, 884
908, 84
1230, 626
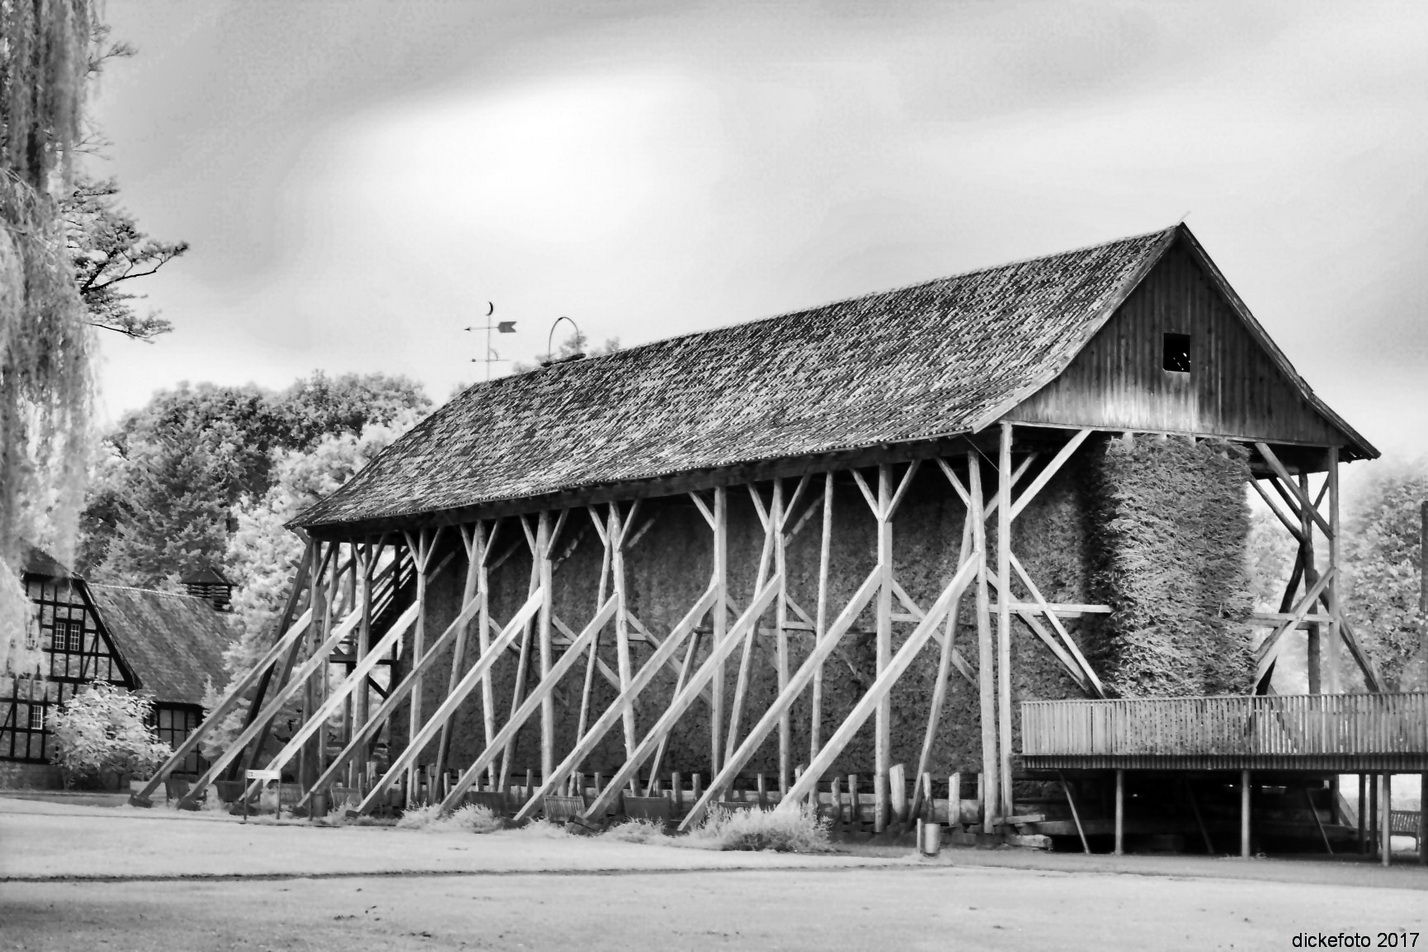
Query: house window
1175, 356
69, 635
37, 717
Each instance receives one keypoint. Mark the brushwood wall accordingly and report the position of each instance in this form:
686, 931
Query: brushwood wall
1110, 526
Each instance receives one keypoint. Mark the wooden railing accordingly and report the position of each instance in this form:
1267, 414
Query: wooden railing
1287, 730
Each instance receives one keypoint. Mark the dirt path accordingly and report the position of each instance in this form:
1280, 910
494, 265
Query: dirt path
514, 891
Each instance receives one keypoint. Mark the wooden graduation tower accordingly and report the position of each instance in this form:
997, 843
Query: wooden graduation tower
837, 540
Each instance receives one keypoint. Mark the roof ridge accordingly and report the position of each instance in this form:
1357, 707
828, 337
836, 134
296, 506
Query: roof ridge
627, 352
145, 591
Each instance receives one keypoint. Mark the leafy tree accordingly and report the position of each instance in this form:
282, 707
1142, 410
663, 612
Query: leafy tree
171, 473
104, 731
107, 250
1381, 561
45, 57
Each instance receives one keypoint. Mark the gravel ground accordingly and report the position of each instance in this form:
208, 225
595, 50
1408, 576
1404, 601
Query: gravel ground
95, 876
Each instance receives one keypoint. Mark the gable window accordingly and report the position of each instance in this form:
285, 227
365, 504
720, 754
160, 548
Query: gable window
69, 635
1175, 356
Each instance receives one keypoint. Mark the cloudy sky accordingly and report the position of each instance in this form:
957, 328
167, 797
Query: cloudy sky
359, 178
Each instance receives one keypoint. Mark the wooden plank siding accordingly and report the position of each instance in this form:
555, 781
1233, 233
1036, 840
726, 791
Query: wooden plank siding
1346, 732
1233, 389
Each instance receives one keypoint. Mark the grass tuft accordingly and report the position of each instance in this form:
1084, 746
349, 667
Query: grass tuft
782, 832
471, 818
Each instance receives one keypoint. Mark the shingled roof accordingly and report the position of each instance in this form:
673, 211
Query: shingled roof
915, 364
171, 642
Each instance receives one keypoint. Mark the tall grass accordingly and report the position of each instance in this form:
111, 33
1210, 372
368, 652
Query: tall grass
471, 818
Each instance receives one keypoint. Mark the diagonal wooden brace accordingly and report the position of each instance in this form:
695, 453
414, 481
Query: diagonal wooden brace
717, 654
339, 695
614, 713
271, 708
453, 700
868, 703
800, 680
532, 701
225, 704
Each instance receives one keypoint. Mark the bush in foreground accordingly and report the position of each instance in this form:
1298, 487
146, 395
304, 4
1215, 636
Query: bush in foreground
471, 818
777, 830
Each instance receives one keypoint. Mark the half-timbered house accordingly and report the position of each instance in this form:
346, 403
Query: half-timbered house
162, 644
835, 541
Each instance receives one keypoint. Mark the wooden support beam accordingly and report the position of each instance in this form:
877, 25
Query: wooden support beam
1120, 812
226, 704
1268, 649
882, 722
779, 516
944, 665
473, 542
880, 688
786, 697
719, 651
815, 731
1004, 519
270, 709
719, 622
741, 684
1288, 523
535, 699
419, 546
986, 657
398, 693
359, 673
1287, 482
523, 656
1045, 476
1096, 687
587, 742
1245, 804
1385, 819
452, 701
1075, 814
1333, 668
545, 545
1314, 661
685, 667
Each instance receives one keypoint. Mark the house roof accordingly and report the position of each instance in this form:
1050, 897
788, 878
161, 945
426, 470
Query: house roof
171, 642
920, 363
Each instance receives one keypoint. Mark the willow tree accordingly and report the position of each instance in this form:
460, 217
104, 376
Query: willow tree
45, 381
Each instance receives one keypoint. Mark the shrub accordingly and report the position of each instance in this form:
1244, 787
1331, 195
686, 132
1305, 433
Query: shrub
777, 830
103, 732
637, 831
471, 818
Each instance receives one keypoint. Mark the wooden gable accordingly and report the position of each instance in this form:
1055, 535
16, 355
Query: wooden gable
1235, 386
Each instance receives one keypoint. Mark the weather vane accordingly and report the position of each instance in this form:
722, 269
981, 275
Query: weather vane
500, 327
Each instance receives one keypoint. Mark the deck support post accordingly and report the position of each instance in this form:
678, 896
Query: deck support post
1333, 651
1385, 820
1120, 812
1372, 812
1314, 663
545, 543
1244, 814
1423, 819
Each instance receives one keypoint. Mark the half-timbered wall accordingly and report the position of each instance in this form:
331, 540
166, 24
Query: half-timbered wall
1233, 387
75, 650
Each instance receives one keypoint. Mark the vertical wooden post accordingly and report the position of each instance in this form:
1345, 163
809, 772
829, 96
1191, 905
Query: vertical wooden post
518, 692
882, 743
1423, 819
544, 544
1332, 652
1363, 811
472, 541
1244, 814
1385, 820
815, 734
322, 619
483, 644
1120, 802
1314, 663
1372, 811
370, 552
785, 723
616, 531
315, 691
594, 657
988, 786
420, 553
1004, 597
720, 624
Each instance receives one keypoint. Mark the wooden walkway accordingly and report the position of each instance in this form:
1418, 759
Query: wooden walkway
1349, 733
